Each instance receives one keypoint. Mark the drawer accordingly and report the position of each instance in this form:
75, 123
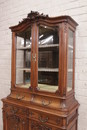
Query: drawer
38, 126
46, 118
35, 125
12, 109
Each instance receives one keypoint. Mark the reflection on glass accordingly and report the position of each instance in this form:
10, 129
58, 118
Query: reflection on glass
23, 59
24, 39
70, 61
48, 56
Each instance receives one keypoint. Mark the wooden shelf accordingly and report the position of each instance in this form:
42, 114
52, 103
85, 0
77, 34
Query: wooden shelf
40, 69
48, 69
49, 46
24, 48
40, 47
43, 69
24, 69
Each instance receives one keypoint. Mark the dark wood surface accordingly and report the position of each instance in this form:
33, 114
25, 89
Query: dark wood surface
29, 108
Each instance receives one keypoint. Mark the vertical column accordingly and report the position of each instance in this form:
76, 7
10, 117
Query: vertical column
24, 59
34, 56
65, 36
62, 58
13, 64
74, 63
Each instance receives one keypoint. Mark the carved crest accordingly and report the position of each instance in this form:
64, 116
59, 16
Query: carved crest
34, 15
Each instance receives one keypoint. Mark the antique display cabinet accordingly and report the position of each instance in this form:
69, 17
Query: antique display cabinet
42, 80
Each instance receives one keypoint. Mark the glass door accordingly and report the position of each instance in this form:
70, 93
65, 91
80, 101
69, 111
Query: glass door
23, 59
48, 58
70, 60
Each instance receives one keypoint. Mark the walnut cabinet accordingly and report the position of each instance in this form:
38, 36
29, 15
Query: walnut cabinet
42, 75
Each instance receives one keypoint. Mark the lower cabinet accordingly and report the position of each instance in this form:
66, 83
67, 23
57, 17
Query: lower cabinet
14, 122
21, 118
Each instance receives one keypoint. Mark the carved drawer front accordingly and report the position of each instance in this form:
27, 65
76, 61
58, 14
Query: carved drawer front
11, 109
46, 118
38, 126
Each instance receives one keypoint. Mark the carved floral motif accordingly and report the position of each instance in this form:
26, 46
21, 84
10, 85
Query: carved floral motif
14, 110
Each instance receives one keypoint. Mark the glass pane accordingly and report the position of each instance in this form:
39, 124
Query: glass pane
48, 59
70, 61
23, 59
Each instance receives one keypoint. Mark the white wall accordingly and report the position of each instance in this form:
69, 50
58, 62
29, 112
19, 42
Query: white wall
12, 11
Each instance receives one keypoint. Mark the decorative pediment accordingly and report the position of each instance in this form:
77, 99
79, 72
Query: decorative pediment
31, 17
34, 15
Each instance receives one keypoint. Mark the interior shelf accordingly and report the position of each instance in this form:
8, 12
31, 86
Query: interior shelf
24, 69
48, 69
40, 47
43, 69
24, 48
40, 69
48, 46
